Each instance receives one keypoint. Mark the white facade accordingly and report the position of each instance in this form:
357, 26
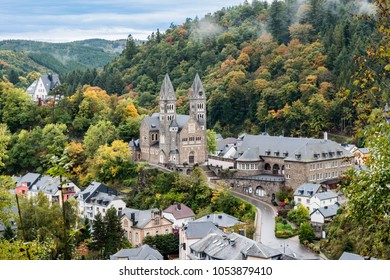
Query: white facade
316, 202
317, 217
92, 209
179, 222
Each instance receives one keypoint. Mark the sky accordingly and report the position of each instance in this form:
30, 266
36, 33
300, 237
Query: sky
71, 20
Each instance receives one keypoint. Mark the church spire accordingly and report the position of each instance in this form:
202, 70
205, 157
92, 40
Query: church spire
197, 90
167, 92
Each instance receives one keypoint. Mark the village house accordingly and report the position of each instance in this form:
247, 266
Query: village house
231, 246
141, 223
98, 198
144, 252
222, 221
191, 233
40, 88
179, 214
314, 196
167, 138
33, 183
361, 155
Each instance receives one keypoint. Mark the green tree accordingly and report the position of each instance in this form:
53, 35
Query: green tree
166, 244
6, 199
99, 232
114, 233
306, 233
104, 132
299, 216
18, 110
279, 21
211, 141
5, 137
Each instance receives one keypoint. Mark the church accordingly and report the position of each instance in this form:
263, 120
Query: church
171, 139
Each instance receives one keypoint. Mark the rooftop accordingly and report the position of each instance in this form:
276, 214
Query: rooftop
180, 211
220, 220
145, 252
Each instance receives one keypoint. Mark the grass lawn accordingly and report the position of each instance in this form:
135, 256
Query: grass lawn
284, 230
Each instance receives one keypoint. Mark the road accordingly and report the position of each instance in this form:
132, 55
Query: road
289, 246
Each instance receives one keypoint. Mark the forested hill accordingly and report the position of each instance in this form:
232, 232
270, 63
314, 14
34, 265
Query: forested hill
284, 67
57, 57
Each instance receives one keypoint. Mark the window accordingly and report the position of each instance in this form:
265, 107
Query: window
312, 166
307, 200
166, 231
136, 237
299, 199
288, 166
319, 165
288, 176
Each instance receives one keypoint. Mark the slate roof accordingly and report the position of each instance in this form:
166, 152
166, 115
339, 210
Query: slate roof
223, 143
180, 211
307, 189
326, 195
153, 122
232, 246
291, 148
364, 150
50, 81
197, 230
93, 190
29, 178
351, 257
141, 217
249, 155
328, 211
167, 91
48, 184
220, 220
145, 252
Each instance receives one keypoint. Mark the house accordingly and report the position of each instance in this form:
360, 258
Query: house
305, 192
324, 214
144, 252
33, 183
40, 88
25, 182
322, 199
191, 233
361, 156
221, 220
51, 187
179, 214
231, 246
141, 223
98, 198
173, 140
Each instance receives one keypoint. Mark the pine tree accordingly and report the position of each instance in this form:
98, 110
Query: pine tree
114, 233
98, 234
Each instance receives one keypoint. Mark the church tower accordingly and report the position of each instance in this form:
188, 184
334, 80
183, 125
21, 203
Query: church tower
167, 116
197, 100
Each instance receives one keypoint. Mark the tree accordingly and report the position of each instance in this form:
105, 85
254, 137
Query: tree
107, 234
299, 216
6, 199
211, 141
279, 21
109, 162
104, 132
166, 244
114, 233
368, 194
306, 233
18, 110
5, 137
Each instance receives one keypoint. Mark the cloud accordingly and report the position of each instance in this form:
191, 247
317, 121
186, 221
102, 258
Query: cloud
42, 19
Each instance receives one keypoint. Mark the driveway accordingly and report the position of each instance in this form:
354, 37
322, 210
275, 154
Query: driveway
266, 231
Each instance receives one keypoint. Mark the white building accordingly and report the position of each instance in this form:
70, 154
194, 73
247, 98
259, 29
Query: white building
40, 88
98, 198
179, 214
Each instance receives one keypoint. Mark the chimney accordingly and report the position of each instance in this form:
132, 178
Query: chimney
325, 135
178, 207
132, 217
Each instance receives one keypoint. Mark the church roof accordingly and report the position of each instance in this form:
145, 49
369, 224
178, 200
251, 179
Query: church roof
167, 91
197, 89
249, 155
153, 122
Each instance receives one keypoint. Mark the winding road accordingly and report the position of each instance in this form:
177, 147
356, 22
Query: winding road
265, 232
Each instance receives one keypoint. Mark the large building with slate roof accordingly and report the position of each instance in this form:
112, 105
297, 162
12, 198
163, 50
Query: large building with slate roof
171, 139
40, 88
265, 164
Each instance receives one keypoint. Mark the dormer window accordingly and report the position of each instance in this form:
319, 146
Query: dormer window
339, 152
316, 155
297, 156
324, 154
285, 153
267, 152
276, 153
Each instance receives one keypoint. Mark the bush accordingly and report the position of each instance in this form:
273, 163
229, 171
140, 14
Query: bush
306, 233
